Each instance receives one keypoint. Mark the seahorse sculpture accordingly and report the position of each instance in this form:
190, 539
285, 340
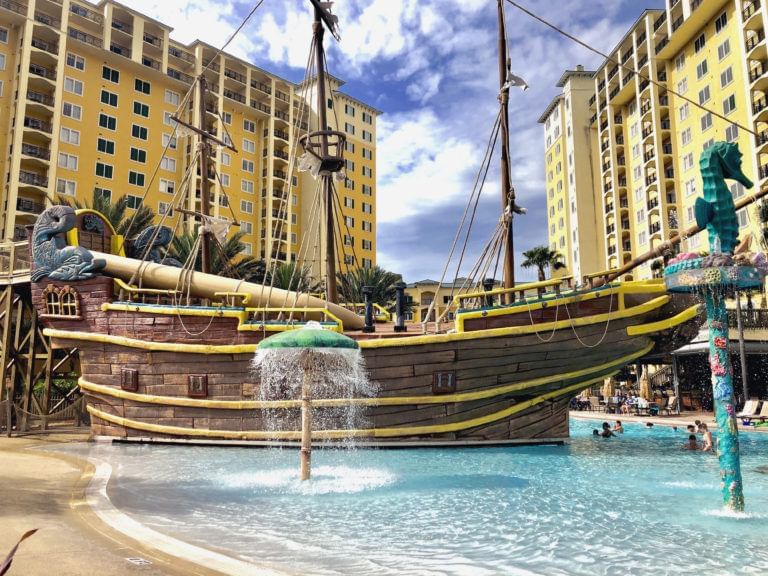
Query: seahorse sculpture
50, 253
157, 238
716, 210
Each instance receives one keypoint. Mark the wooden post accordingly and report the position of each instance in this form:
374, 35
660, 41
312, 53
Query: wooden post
306, 418
6, 316
205, 244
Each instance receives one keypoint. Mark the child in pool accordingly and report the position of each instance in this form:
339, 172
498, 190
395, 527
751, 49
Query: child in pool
692, 444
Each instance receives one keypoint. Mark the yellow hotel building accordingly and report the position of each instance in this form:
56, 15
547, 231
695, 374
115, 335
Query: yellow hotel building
86, 97
645, 141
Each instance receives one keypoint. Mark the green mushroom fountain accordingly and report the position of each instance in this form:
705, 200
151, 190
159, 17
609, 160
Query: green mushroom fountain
716, 277
306, 362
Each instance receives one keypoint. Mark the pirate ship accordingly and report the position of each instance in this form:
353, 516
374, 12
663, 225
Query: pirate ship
166, 350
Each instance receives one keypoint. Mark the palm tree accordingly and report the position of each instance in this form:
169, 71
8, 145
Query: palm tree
128, 225
541, 257
291, 276
227, 260
351, 285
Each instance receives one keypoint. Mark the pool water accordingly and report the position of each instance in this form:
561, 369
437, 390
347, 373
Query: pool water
635, 504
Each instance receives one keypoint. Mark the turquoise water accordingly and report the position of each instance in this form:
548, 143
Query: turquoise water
636, 504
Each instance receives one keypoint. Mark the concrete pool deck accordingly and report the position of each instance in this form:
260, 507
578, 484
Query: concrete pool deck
44, 490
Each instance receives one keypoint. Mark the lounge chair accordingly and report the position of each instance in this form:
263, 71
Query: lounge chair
671, 406
594, 404
641, 407
762, 416
749, 411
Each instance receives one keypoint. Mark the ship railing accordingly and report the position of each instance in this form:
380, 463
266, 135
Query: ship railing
522, 292
380, 313
589, 279
14, 260
283, 319
129, 293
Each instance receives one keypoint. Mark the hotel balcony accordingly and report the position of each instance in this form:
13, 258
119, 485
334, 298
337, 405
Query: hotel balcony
153, 40
652, 204
181, 76
40, 98
37, 124
45, 46
751, 15
209, 65
260, 106
261, 86
755, 45
29, 206
120, 50
32, 179
233, 75
181, 55
654, 228
42, 72
151, 63
46, 19
122, 27
35, 152
85, 38
235, 96
760, 109
281, 115
85, 14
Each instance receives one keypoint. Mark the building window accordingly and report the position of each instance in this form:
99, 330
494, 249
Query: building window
699, 43
248, 166
348, 240
701, 69
349, 146
139, 132
349, 128
138, 155
227, 117
368, 118
135, 178
104, 170
108, 98
70, 84
688, 161
246, 227
690, 187
68, 161
249, 126
367, 245
367, 208
367, 190
684, 111
685, 137
172, 97
682, 86
680, 62
367, 172
102, 193
249, 146
246, 186
69, 136
349, 184
141, 109
724, 49
224, 179
169, 142
349, 165
142, 86
74, 111
168, 119
246, 206
706, 122
105, 146
367, 226
367, 263
726, 77
167, 186
133, 202
168, 164
642, 238
349, 222
61, 301
731, 133
75, 61
349, 110
704, 95
164, 209
721, 22
729, 104
349, 202
108, 122
110, 74
742, 217
367, 136
68, 187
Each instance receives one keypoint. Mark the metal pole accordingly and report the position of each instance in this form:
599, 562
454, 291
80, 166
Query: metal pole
676, 383
507, 192
204, 184
400, 307
367, 295
306, 419
742, 352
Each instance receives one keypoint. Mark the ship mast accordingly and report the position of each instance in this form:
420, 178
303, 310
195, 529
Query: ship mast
327, 146
204, 149
507, 192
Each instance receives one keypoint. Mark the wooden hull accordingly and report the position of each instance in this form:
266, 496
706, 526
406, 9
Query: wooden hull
507, 380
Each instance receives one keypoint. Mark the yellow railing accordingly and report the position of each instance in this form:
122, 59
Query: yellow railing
287, 324
520, 290
122, 287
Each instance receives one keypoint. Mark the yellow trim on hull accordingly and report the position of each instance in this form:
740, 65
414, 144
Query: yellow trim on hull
374, 343
338, 434
330, 402
667, 323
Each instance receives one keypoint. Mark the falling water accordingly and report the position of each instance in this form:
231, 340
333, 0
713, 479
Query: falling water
336, 373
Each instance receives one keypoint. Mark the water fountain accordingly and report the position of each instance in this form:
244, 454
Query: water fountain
716, 276
315, 364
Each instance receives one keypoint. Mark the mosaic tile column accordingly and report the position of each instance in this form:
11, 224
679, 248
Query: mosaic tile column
725, 410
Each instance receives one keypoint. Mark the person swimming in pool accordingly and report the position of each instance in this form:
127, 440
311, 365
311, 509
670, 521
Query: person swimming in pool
618, 428
692, 444
607, 432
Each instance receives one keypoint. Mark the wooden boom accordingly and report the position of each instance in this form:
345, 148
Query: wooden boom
207, 285
664, 247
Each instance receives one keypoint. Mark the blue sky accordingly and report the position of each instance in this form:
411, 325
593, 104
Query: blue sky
430, 66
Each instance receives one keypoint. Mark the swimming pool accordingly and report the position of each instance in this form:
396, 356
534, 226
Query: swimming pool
636, 504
